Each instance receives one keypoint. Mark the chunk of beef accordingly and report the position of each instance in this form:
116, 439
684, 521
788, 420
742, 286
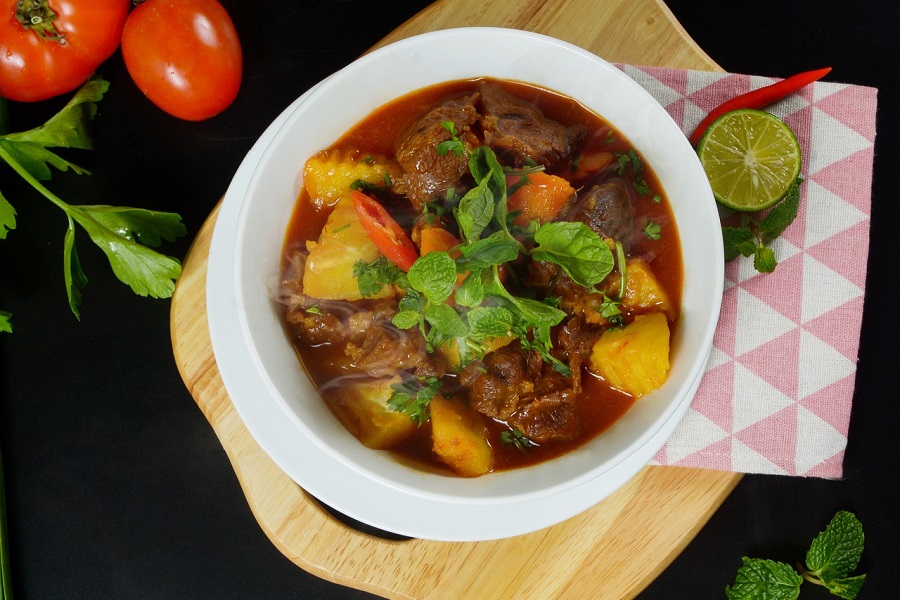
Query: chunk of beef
316, 322
519, 130
551, 280
508, 375
426, 173
552, 416
606, 208
382, 349
520, 388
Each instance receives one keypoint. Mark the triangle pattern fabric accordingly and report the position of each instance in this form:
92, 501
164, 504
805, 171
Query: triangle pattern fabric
777, 393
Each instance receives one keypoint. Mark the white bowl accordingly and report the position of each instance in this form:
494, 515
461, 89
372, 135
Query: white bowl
271, 391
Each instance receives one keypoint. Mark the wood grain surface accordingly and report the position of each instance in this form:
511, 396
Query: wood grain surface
614, 549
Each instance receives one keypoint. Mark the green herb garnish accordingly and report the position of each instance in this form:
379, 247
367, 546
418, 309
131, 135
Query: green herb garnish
412, 397
831, 557
652, 231
754, 238
124, 234
454, 144
516, 438
372, 277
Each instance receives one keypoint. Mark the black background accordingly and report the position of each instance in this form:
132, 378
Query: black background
117, 486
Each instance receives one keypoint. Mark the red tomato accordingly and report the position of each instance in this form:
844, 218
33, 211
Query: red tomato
84, 34
184, 55
385, 233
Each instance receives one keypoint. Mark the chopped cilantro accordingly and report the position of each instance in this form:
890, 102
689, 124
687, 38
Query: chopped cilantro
652, 230
514, 437
412, 397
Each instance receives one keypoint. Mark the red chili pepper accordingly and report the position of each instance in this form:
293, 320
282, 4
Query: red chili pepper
759, 98
384, 231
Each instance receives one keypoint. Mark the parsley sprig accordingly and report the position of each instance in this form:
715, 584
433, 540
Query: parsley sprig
126, 235
832, 556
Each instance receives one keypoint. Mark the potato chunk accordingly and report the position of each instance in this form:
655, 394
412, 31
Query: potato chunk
329, 269
327, 175
635, 358
643, 291
459, 437
362, 408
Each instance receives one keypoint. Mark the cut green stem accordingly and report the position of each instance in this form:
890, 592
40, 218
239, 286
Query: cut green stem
5, 567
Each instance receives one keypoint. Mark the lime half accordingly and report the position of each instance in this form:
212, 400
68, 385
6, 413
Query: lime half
751, 158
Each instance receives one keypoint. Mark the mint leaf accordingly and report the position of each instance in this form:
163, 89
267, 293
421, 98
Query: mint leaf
836, 551
576, 248
496, 249
471, 292
846, 587
445, 322
433, 274
491, 321
453, 144
782, 215
406, 319
833, 554
738, 241
754, 238
763, 579
764, 259
475, 211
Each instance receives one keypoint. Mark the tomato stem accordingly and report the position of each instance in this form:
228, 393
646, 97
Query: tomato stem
37, 16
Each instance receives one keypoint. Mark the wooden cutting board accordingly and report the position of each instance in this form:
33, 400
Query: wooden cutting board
610, 551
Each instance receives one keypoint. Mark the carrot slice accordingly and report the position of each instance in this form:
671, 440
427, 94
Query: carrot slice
541, 198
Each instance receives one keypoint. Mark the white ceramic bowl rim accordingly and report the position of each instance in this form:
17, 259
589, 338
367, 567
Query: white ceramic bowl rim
263, 375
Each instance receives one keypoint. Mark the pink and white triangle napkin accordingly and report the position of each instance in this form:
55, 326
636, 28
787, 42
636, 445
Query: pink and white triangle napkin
778, 389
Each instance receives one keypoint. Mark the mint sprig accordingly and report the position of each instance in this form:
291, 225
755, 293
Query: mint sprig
754, 237
831, 557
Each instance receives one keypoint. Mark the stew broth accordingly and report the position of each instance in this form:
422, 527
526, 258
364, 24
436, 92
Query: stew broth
598, 405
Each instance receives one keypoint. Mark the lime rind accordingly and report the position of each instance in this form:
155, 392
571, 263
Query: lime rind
751, 158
